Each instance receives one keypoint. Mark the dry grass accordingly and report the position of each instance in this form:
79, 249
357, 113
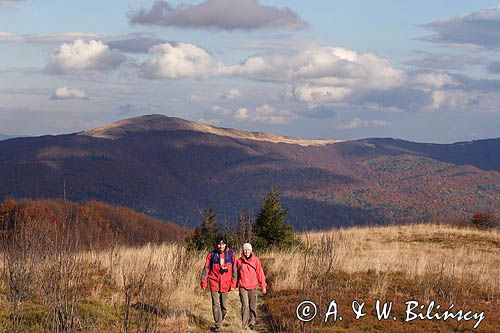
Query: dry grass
424, 262
155, 288
416, 250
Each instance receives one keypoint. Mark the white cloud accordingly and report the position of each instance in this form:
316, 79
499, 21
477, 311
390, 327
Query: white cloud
456, 99
232, 94
319, 74
323, 65
219, 14
316, 94
242, 114
182, 60
460, 100
314, 75
81, 56
264, 114
220, 111
362, 123
68, 93
433, 80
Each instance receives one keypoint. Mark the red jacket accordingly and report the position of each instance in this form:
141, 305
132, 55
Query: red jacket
219, 280
250, 272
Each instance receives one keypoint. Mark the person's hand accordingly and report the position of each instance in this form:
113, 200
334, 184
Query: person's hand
203, 285
264, 290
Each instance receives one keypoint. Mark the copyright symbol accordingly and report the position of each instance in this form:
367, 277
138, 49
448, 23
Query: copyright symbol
306, 311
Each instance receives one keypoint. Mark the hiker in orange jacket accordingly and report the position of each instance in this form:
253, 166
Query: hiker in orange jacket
220, 272
250, 275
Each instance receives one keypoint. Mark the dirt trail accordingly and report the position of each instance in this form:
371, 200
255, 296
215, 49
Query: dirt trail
232, 322
264, 323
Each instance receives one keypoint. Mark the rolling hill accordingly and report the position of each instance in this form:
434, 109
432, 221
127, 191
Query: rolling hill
171, 168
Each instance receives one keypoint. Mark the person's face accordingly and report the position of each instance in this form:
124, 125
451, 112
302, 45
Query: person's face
221, 246
247, 252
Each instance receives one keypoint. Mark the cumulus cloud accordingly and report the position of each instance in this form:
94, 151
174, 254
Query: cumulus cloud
315, 76
178, 61
362, 123
323, 65
219, 111
81, 56
433, 80
264, 114
480, 28
219, 14
316, 94
231, 94
314, 73
64, 93
452, 100
463, 100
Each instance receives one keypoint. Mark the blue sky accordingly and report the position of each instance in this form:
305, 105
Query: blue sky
426, 71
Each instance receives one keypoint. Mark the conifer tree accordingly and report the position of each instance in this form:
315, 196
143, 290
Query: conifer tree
205, 235
271, 229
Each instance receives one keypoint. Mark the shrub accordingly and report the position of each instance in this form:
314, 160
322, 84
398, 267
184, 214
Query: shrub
485, 220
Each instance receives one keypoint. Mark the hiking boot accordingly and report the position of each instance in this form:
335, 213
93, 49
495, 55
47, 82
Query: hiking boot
215, 328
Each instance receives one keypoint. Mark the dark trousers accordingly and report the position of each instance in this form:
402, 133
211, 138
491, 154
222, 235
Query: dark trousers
219, 306
248, 306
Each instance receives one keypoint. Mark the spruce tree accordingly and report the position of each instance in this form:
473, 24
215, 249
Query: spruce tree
205, 235
271, 229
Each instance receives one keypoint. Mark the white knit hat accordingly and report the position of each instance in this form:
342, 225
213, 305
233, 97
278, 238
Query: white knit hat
247, 246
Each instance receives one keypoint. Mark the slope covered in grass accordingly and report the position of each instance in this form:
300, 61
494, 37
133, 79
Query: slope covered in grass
156, 287
398, 263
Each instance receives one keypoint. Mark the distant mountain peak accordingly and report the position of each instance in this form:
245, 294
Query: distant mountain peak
157, 122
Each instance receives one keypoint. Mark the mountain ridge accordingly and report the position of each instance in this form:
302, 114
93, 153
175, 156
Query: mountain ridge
157, 122
5, 136
172, 174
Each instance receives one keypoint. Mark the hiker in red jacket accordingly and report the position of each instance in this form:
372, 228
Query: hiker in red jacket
220, 272
250, 275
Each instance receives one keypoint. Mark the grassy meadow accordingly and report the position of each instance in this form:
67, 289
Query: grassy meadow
155, 288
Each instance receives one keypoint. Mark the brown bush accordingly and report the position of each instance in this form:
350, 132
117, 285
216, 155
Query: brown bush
485, 220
